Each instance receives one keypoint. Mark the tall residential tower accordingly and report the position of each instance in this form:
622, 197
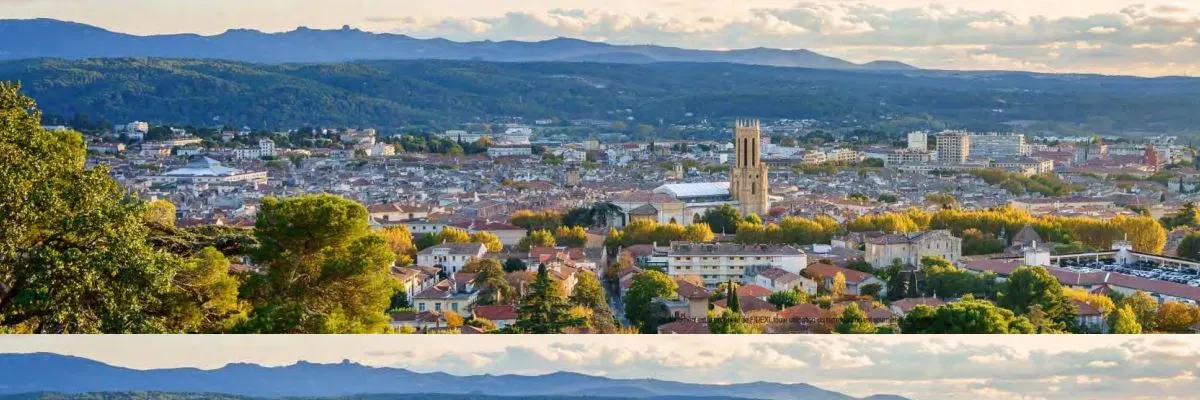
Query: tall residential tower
748, 177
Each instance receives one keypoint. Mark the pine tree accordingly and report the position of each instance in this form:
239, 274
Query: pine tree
731, 294
545, 309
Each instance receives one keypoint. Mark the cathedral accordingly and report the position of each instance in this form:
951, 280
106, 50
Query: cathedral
685, 203
748, 176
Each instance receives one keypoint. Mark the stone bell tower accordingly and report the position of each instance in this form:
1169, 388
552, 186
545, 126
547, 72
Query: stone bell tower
748, 177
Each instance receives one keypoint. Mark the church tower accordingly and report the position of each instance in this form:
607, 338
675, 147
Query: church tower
748, 177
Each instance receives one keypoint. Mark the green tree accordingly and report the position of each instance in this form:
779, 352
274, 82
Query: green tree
645, 287
729, 323
74, 256
514, 264
787, 298
754, 219
1189, 247
326, 273
733, 303
207, 300
544, 309
1144, 307
963, 317
1125, 322
587, 291
1035, 286
161, 212
854, 321
490, 279
723, 219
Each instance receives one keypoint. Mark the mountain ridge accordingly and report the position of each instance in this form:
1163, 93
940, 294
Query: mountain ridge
27, 373
74, 40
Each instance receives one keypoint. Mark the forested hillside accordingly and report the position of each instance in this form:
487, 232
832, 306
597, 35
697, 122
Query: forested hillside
395, 94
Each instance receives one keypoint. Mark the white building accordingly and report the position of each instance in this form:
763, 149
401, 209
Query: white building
133, 128
918, 141
451, 257
715, 263
517, 150
266, 148
908, 157
206, 170
998, 145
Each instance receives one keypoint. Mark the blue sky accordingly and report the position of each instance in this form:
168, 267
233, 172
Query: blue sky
1011, 367
1151, 37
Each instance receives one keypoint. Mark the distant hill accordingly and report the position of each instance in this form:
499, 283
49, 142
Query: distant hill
44, 372
61, 39
402, 93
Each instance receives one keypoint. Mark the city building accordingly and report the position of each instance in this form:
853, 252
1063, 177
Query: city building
883, 250
266, 148
715, 263
918, 141
908, 157
953, 147
998, 145
451, 257
513, 150
201, 169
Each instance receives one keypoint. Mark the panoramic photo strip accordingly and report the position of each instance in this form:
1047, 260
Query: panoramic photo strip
600, 167
389, 367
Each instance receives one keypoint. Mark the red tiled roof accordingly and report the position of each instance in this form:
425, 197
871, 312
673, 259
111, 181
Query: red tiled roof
748, 304
802, 311
496, 313
687, 290
684, 327
829, 271
753, 290
907, 305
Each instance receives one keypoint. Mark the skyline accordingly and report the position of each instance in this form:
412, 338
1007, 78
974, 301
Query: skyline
960, 367
1148, 38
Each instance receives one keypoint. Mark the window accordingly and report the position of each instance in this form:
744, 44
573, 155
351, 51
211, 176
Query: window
421, 306
437, 306
454, 306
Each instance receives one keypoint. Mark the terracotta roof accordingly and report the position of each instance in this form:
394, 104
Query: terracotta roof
684, 327
1086, 309
802, 311
907, 305
496, 313
747, 304
753, 290
830, 271
687, 290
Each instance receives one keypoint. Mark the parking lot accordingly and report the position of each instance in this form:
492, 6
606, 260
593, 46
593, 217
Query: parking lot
1143, 269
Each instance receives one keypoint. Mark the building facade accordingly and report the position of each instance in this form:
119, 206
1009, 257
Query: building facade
748, 177
998, 145
953, 147
715, 263
882, 250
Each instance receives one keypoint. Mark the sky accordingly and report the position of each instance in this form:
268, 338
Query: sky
1011, 367
1149, 37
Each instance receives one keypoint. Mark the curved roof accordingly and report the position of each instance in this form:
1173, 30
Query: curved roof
702, 189
203, 166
